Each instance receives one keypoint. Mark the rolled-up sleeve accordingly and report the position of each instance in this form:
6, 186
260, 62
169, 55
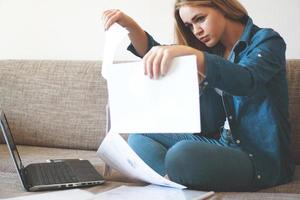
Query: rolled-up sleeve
254, 68
151, 43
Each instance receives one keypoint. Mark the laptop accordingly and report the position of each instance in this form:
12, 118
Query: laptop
55, 174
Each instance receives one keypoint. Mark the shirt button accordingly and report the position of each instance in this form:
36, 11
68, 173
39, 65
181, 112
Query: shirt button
250, 155
205, 83
258, 176
238, 141
259, 55
228, 132
230, 117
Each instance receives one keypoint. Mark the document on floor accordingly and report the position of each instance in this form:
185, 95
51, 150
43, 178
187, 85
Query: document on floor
151, 192
74, 194
121, 193
116, 152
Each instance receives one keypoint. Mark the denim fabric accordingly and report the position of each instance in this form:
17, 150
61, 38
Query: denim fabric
195, 161
254, 87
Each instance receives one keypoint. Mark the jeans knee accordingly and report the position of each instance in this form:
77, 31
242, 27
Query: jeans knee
150, 151
182, 163
134, 139
176, 159
208, 167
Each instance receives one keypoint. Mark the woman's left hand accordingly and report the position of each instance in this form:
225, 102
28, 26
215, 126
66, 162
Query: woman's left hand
158, 60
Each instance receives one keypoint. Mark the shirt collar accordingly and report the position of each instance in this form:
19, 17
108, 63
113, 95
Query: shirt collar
242, 43
245, 39
246, 36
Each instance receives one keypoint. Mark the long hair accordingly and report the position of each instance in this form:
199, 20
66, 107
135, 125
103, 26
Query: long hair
231, 9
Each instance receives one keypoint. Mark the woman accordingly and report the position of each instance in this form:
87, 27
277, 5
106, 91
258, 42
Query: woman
244, 98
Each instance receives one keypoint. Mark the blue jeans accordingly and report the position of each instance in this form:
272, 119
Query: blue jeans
195, 161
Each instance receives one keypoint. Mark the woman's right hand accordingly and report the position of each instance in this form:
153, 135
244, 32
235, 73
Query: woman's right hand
136, 34
112, 16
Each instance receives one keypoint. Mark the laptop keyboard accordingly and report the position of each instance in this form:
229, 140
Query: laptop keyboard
54, 173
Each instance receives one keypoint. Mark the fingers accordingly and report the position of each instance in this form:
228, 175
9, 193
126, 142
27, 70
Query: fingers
147, 60
109, 17
152, 62
165, 63
157, 62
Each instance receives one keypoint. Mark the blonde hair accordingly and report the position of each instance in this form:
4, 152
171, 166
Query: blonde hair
231, 9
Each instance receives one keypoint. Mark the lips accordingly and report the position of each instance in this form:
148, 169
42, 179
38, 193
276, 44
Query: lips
204, 39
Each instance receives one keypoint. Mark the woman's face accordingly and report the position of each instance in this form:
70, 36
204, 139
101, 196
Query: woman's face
207, 24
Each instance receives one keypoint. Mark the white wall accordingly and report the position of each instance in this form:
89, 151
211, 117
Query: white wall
72, 29
281, 15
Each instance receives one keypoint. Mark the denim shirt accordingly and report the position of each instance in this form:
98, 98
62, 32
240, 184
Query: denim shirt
254, 86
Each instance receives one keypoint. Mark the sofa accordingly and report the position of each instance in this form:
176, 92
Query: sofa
56, 109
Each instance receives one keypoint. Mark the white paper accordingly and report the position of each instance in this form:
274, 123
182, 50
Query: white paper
139, 104
74, 194
115, 152
151, 192
113, 37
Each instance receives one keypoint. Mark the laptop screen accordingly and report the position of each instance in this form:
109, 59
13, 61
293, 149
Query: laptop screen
10, 141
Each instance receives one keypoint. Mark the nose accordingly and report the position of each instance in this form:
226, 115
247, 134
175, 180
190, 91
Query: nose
197, 30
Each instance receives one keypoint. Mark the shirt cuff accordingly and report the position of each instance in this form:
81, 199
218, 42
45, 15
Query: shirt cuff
209, 76
151, 43
212, 63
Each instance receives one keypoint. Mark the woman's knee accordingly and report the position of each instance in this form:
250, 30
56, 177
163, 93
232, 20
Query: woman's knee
150, 151
177, 159
134, 139
189, 160
206, 166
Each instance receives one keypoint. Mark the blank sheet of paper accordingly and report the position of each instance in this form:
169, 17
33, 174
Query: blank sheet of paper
139, 104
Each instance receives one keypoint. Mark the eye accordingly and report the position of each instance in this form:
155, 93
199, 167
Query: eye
200, 19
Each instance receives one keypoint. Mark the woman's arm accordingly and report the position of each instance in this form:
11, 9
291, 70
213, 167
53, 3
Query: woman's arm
261, 63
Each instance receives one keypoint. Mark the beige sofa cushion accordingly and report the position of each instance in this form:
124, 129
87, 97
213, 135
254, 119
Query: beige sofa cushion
54, 103
293, 76
62, 103
29, 155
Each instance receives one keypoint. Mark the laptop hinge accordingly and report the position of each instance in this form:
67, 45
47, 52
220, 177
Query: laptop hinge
24, 177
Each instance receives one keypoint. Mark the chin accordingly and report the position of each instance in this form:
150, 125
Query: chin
211, 44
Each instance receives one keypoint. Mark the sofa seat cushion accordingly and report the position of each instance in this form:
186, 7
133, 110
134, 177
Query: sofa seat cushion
254, 196
15, 190
10, 186
292, 187
32, 154
293, 76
